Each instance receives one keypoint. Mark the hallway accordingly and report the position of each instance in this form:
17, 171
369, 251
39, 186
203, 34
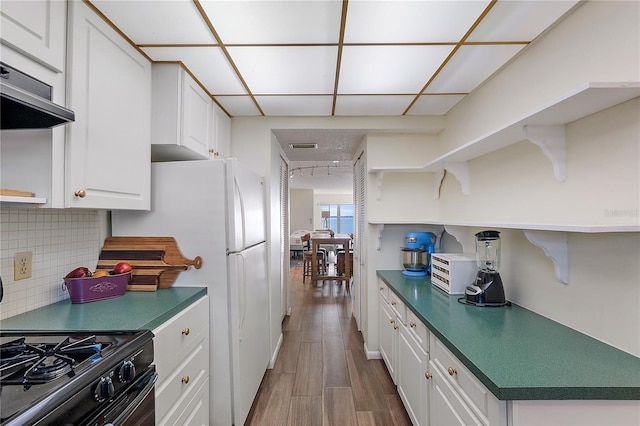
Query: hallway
321, 376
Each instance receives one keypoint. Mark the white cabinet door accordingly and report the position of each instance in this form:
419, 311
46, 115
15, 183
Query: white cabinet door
182, 116
388, 336
446, 408
413, 385
221, 144
37, 29
196, 117
108, 146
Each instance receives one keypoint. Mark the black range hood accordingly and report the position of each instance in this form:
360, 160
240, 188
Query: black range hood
26, 102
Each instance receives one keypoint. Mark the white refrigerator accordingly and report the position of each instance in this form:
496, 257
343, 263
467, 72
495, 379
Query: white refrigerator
216, 210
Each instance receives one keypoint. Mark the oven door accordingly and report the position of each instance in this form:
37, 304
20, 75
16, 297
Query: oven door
134, 407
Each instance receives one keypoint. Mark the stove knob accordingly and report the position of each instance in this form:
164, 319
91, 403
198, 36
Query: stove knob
104, 389
127, 372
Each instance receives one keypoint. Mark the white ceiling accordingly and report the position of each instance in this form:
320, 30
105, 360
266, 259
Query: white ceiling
332, 57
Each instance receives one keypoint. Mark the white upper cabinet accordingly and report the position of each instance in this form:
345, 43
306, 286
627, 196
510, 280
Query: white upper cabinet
107, 160
37, 29
183, 118
221, 143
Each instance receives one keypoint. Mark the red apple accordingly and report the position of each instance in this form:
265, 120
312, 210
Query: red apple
121, 268
79, 272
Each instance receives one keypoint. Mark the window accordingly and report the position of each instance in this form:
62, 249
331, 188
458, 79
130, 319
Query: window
337, 217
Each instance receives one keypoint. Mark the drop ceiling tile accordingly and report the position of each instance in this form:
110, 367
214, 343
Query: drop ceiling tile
208, 64
295, 105
157, 22
520, 20
372, 105
238, 105
389, 69
287, 70
270, 22
470, 66
410, 21
434, 104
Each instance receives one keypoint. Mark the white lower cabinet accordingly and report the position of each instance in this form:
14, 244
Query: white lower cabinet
181, 356
413, 376
434, 386
457, 396
388, 336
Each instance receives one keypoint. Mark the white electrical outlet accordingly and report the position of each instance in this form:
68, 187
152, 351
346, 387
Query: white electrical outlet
22, 266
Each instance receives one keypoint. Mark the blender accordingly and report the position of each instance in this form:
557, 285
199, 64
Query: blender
487, 290
416, 254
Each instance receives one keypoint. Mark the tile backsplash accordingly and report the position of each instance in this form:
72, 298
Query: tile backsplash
60, 240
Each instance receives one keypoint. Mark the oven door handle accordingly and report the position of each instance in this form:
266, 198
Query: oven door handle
147, 384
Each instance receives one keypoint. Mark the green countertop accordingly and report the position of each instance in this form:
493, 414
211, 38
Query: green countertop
518, 354
135, 310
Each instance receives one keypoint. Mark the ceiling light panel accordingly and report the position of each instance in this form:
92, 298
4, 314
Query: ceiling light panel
157, 22
208, 64
470, 66
238, 105
372, 105
519, 20
434, 104
389, 69
287, 70
274, 22
296, 105
410, 21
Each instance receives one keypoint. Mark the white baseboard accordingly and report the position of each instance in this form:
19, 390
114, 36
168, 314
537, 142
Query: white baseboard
371, 354
272, 361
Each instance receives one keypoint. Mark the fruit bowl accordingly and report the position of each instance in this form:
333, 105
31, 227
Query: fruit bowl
91, 289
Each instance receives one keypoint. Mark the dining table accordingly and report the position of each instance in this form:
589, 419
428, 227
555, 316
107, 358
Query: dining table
345, 242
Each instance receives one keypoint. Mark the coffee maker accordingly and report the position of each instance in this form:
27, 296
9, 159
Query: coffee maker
416, 254
487, 290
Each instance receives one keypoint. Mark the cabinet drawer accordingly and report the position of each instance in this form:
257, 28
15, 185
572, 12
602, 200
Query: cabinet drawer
173, 392
467, 386
398, 307
383, 290
418, 330
446, 406
179, 334
195, 412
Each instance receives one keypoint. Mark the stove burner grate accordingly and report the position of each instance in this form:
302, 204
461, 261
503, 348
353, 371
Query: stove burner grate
36, 363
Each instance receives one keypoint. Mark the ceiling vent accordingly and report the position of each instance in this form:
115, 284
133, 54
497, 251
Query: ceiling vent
303, 145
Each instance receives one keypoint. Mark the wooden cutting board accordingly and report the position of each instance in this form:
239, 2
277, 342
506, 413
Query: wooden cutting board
156, 261
15, 193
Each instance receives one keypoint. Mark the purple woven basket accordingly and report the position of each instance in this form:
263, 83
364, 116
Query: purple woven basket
84, 290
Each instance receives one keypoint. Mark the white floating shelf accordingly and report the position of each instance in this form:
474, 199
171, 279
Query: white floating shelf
582, 102
22, 200
588, 229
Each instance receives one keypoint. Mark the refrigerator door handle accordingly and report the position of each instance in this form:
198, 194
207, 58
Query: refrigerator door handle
242, 295
243, 230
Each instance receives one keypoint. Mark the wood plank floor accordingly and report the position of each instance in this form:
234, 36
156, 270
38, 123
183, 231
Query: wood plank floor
322, 376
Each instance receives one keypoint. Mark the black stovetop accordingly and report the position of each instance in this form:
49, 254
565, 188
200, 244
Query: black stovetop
46, 368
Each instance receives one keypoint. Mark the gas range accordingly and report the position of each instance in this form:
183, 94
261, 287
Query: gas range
76, 378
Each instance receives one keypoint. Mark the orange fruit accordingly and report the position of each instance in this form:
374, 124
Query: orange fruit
100, 273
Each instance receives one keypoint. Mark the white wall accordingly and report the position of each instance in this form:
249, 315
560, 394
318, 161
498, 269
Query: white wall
301, 209
320, 199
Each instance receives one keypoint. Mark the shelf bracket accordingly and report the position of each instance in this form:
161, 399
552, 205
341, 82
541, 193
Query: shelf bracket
555, 245
437, 182
379, 243
552, 141
463, 237
379, 176
460, 169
